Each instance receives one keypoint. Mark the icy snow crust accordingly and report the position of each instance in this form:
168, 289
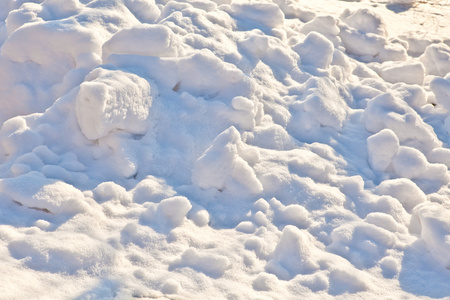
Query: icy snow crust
221, 150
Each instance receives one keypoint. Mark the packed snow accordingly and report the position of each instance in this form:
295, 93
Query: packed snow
224, 149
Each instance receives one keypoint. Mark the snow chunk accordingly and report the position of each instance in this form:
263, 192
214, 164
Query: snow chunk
152, 189
17, 137
291, 9
261, 205
325, 25
62, 253
392, 207
363, 32
42, 224
388, 111
293, 255
264, 13
167, 214
199, 216
316, 50
144, 39
382, 148
361, 44
389, 266
293, 214
364, 20
409, 162
270, 136
407, 72
49, 44
246, 227
245, 113
204, 74
107, 191
436, 59
211, 264
315, 282
325, 103
111, 100
382, 220
37, 192
171, 286
265, 282
321, 105
175, 209
224, 166
256, 44
432, 222
406, 191
414, 95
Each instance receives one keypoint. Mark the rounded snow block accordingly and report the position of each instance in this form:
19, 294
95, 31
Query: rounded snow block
407, 72
382, 148
316, 50
113, 100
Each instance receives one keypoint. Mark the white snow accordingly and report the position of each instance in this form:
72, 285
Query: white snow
224, 149
102, 103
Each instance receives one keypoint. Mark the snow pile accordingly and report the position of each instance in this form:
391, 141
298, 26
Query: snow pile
222, 149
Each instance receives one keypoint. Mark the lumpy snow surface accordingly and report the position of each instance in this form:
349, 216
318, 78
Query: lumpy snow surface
225, 149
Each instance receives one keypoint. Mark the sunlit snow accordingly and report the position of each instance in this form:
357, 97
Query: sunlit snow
224, 149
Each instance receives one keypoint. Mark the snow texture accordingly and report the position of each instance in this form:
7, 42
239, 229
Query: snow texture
224, 149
